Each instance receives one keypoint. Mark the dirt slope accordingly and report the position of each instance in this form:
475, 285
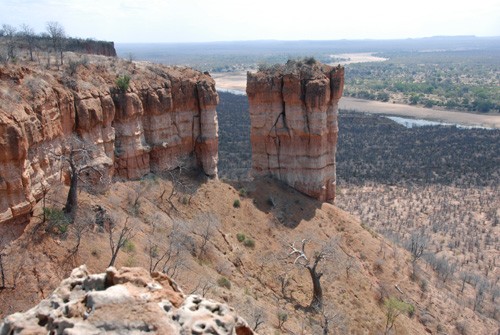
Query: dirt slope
361, 272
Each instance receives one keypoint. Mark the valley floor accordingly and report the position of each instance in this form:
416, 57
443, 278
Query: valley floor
236, 81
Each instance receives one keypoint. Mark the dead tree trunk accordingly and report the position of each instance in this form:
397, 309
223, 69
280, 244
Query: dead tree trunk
72, 199
317, 299
311, 264
2, 273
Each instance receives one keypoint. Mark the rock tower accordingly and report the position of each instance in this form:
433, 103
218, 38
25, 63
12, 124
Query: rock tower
293, 115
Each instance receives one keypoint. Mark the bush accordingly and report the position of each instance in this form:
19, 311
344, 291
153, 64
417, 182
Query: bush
394, 308
240, 237
378, 266
128, 246
250, 243
282, 317
224, 282
411, 311
243, 192
237, 203
310, 60
123, 83
56, 219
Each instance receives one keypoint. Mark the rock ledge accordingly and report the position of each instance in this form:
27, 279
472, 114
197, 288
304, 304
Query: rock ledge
125, 301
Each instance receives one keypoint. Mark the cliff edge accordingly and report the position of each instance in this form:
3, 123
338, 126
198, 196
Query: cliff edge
137, 117
293, 115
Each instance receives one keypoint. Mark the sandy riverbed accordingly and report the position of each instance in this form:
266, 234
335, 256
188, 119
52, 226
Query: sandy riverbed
358, 57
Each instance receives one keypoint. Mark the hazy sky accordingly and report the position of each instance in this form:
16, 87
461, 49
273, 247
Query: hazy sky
229, 20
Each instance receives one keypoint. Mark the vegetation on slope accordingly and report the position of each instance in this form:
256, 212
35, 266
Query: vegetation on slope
439, 184
366, 281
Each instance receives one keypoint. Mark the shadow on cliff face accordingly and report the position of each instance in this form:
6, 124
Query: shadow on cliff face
287, 205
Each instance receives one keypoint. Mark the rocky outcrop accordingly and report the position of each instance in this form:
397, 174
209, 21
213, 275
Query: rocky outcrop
293, 115
164, 119
125, 301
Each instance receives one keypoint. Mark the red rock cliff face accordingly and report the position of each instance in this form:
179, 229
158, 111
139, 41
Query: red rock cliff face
293, 115
167, 117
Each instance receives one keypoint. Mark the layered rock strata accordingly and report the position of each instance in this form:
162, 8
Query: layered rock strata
293, 116
125, 301
165, 118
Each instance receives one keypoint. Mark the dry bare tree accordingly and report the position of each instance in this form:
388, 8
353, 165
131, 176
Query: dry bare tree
394, 308
78, 157
205, 227
168, 253
57, 35
117, 241
79, 228
257, 317
28, 35
2, 270
10, 34
481, 290
349, 264
203, 287
332, 320
311, 262
416, 245
134, 197
284, 281
180, 184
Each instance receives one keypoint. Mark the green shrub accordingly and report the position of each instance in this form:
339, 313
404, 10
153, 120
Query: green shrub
240, 237
128, 246
282, 317
63, 227
224, 282
123, 83
250, 243
395, 307
243, 192
411, 311
56, 220
310, 60
237, 203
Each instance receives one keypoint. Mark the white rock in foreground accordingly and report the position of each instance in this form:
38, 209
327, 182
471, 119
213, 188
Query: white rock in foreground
125, 301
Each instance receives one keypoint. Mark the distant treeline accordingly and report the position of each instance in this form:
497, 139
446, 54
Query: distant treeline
458, 80
456, 73
24, 42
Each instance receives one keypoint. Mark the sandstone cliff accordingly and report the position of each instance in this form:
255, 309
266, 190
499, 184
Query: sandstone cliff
166, 117
293, 115
125, 301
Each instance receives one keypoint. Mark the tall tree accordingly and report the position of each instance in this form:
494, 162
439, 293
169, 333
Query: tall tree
57, 35
29, 37
78, 157
10, 33
416, 245
311, 263
117, 242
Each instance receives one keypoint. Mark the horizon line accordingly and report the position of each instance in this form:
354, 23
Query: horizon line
321, 40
